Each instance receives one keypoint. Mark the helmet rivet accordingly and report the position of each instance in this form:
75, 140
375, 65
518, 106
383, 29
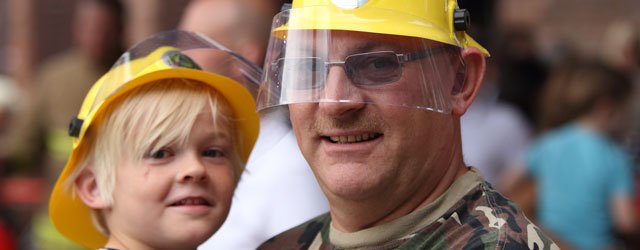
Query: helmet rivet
461, 20
75, 126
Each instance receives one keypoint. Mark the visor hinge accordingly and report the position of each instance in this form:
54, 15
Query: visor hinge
75, 126
461, 19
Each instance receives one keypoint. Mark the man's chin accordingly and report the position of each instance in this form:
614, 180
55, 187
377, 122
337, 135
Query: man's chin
352, 189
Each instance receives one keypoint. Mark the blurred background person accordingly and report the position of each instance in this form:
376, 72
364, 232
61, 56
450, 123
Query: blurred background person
40, 144
241, 25
583, 176
622, 40
60, 83
9, 95
277, 191
495, 132
522, 71
7, 238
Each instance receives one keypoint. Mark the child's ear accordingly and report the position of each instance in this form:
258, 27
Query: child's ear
472, 76
86, 187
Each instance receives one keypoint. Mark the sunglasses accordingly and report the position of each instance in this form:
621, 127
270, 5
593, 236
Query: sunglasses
362, 69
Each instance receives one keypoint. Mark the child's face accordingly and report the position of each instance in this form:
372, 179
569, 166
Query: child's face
177, 196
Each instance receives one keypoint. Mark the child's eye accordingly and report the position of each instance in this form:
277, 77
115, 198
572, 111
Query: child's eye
212, 152
159, 154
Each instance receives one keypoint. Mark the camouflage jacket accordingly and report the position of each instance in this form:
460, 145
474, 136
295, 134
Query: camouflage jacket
469, 215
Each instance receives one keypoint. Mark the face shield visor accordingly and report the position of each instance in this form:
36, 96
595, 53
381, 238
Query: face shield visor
188, 54
202, 53
313, 65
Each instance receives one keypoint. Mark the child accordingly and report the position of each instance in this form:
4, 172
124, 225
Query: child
159, 147
584, 177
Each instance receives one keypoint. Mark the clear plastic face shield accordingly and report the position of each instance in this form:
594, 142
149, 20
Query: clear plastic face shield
172, 49
324, 65
206, 54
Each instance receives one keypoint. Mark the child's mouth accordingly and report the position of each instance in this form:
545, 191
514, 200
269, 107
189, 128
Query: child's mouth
191, 202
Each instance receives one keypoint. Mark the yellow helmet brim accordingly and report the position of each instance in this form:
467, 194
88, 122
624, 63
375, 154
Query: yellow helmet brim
372, 20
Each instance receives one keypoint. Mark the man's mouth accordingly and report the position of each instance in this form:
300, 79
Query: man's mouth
191, 201
345, 139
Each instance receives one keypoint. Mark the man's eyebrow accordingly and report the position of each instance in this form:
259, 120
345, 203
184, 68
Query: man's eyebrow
366, 46
372, 45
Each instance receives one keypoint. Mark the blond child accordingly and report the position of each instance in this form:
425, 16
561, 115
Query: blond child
159, 146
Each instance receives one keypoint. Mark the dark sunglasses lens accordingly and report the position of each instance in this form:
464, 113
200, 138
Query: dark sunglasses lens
373, 68
299, 73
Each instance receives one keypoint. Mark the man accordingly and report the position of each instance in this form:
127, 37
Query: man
277, 191
376, 90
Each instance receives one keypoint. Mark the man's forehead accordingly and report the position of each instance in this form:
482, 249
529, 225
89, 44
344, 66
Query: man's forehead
353, 41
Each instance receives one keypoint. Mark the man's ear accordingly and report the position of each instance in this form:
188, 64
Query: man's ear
86, 187
474, 73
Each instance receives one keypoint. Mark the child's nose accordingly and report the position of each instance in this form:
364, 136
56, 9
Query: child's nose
192, 170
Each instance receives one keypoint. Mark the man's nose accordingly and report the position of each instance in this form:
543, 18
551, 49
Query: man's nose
191, 170
340, 94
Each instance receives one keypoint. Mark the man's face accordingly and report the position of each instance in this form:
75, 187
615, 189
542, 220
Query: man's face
178, 196
364, 151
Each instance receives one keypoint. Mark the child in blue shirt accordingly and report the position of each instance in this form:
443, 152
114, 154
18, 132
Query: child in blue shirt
584, 178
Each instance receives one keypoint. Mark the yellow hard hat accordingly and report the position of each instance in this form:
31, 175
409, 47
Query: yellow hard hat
437, 20
68, 213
